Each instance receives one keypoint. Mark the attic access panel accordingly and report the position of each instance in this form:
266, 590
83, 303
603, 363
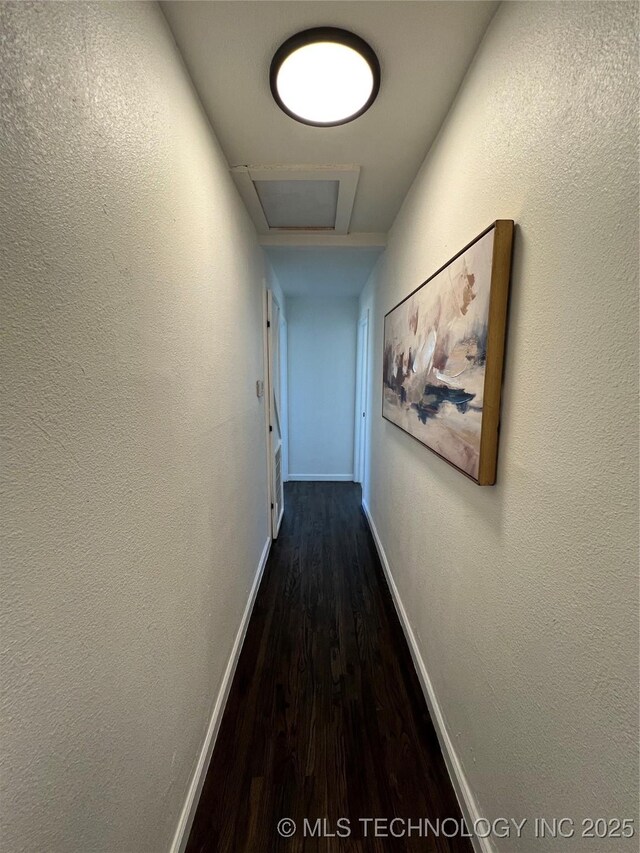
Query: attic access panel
298, 198
295, 205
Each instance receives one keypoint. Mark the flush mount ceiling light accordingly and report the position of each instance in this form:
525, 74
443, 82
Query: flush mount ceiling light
324, 77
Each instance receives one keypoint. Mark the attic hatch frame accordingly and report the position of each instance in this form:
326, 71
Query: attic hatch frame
347, 177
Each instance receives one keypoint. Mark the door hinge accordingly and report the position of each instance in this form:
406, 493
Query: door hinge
271, 506
270, 428
268, 324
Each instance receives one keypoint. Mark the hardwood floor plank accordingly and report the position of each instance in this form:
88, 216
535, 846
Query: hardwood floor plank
325, 717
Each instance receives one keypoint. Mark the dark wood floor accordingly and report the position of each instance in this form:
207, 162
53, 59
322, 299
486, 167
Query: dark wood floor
325, 718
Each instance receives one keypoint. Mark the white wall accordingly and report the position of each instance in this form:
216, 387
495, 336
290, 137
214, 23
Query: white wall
523, 597
134, 492
322, 376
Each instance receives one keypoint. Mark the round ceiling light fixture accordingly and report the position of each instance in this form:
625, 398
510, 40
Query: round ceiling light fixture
324, 77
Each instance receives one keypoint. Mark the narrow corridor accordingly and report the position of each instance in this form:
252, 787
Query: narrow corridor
325, 718
248, 289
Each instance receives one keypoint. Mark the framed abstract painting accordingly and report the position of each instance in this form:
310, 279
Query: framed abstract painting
443, 355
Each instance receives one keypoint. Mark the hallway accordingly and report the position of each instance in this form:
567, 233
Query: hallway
319, 374
325, 718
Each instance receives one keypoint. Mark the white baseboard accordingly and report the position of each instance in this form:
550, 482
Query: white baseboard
195, 788
466, 800
333, 478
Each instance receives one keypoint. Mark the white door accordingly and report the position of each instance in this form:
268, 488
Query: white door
360, 449
275, 408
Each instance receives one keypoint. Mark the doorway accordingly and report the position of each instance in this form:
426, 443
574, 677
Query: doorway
362, 385
274, 412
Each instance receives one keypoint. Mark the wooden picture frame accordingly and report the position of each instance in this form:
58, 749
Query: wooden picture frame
444, 352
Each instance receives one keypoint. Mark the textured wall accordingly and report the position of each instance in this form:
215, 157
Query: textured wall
134, 492
524, 596
322, 379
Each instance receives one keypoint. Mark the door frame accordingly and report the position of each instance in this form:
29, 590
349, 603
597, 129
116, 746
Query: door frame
284, 395
361, 431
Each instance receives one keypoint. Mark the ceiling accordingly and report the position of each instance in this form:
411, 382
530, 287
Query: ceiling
327, 271
424, 50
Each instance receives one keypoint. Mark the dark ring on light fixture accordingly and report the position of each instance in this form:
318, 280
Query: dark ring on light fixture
320, 34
